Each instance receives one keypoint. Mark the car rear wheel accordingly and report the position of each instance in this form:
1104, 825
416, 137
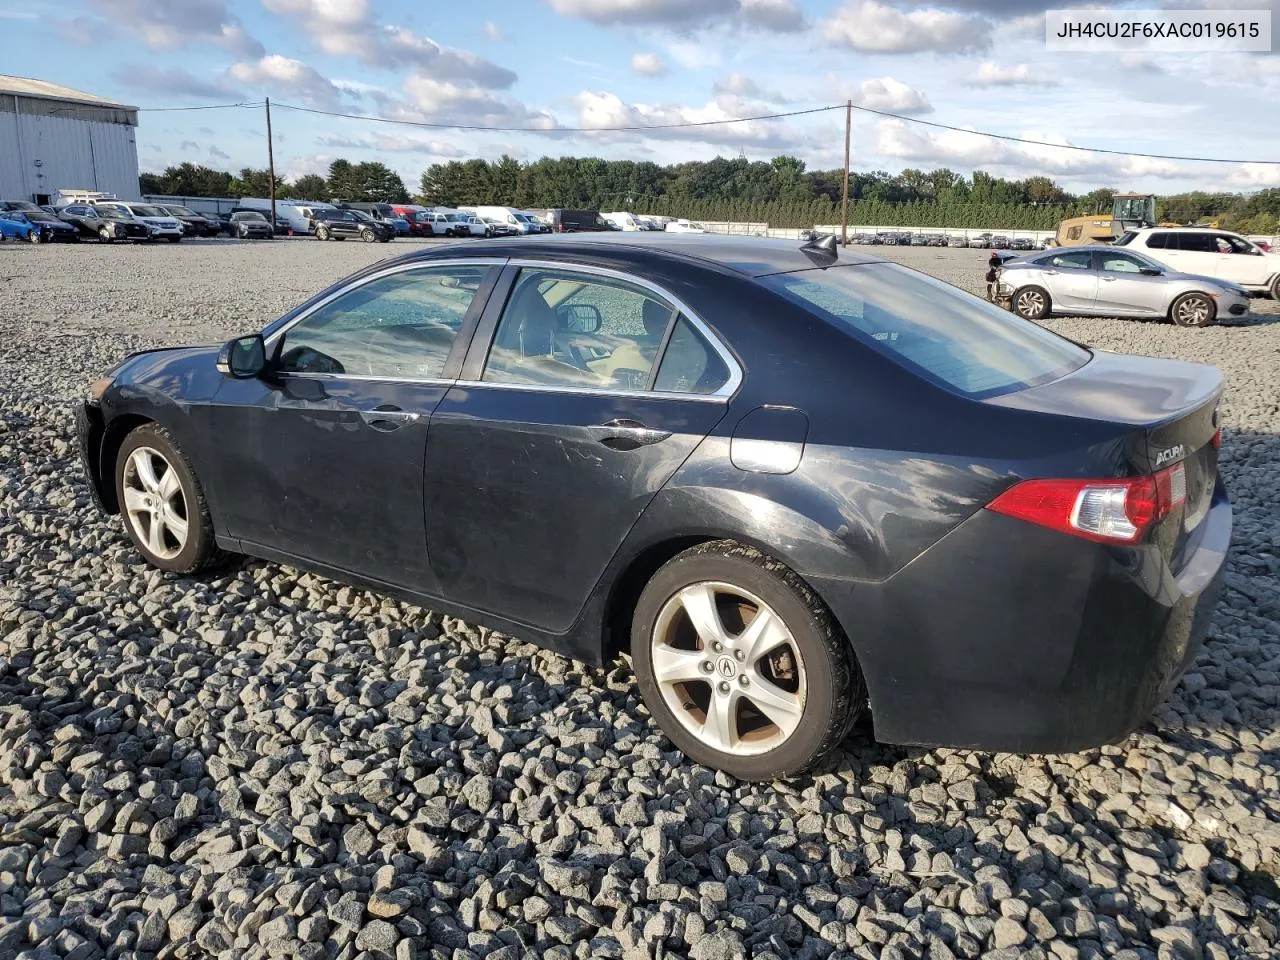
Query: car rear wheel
741, 664
1275, 288
367, 236
1193, 310
1031, 303
322, 233
104, 235
163, 506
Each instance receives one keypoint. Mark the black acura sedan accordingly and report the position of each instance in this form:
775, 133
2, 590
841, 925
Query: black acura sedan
795, 483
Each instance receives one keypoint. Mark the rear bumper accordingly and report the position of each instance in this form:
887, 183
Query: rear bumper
1006, 636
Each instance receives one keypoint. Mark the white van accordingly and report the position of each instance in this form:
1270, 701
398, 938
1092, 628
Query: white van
624, 221
1210, 252
288, 212
519, 221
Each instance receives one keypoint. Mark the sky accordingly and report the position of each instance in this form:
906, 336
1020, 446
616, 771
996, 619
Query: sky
547, 65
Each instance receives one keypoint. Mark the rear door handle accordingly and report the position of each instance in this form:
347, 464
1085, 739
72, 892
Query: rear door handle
1108, 279
626, 434
388, 418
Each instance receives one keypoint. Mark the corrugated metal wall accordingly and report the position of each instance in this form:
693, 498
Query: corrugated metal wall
85, 154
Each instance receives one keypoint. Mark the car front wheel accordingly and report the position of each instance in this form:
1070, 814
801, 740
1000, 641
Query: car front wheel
104, 235
322, 233
1193, 310
367, 236
162, 503
741, 664
1031, 303
1275, 288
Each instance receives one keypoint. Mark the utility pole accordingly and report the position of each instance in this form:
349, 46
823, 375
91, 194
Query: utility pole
271, 165
844, 199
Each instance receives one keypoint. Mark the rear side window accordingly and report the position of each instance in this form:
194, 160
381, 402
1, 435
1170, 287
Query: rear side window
1196, 242
942, 333
689, 364
1158, 241
1068, 261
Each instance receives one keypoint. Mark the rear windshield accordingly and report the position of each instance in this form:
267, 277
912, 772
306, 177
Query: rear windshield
946, 335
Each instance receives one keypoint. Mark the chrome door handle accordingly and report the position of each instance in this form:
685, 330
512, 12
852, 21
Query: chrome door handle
1108, 279
1051, 273
389, 418
626, 434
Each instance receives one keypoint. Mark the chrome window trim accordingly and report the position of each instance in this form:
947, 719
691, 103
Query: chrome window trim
726, 390
271, 341
417, 381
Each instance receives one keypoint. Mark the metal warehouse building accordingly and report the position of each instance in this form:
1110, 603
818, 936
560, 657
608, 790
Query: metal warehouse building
53, 137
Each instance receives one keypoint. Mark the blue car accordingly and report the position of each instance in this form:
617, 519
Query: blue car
18, 229
44, 227
401, 225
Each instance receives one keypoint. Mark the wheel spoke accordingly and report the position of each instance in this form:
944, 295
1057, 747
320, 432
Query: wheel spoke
699, 602
145, 470
169, 483
778, 705
135, 501
672, 665
177, 526
720, 729
155, 536
762, 634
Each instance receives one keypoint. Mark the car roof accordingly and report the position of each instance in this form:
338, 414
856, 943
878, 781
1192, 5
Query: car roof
751, 256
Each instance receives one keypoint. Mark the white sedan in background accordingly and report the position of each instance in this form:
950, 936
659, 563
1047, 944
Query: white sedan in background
685, 226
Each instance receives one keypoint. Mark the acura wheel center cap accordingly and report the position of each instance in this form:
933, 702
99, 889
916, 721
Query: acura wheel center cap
727, 667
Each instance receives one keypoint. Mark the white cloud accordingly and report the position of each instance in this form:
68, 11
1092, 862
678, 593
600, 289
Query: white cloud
165, 25
992, 74
293, 78
775, 15
217, 154
693, 56
439, 101
1141, 63
740, 85
491, 31
875, 27
601, 110
887, 94
960, 148
173, 81
648, 64
347, 28
395, 143
782, 16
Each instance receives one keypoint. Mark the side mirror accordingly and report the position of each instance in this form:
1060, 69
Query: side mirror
579, 317
243, 357
1152, 272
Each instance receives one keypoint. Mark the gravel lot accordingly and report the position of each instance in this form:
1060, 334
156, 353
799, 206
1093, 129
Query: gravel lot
270, 764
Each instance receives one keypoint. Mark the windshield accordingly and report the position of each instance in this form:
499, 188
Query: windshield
39, 215
948, 336
25, 205
456, 217
142, 210
360, 215
248, 215
112, 212
182, 211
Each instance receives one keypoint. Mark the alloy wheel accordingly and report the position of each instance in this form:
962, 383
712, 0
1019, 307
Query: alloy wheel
1193, 311
728, 668
154, 502
1030, 303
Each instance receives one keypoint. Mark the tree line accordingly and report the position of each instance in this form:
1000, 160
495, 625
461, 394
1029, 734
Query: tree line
781, 192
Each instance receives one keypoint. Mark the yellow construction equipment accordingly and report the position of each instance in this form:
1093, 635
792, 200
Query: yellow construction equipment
1129, 211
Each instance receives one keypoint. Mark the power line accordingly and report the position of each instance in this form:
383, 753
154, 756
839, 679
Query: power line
495, 129
688, 124
211, 106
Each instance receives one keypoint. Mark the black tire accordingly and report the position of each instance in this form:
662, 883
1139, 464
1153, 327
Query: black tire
36, 236
835, 693
173, 239
367, 236
200, 550
1193, 310
1275, 288
1031, 303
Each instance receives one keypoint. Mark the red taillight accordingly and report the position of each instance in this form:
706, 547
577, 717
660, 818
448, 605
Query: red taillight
1217, 439
1108, 511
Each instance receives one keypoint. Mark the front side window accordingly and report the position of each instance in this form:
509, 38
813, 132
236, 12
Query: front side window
561, 328
402, 325
1068, 261
942, 333
1121, 263
1229, 244
1194, 242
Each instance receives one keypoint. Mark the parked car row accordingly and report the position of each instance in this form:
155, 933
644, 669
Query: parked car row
105, 218
1194, 277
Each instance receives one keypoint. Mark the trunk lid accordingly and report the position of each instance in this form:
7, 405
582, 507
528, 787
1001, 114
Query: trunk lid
1166, 414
